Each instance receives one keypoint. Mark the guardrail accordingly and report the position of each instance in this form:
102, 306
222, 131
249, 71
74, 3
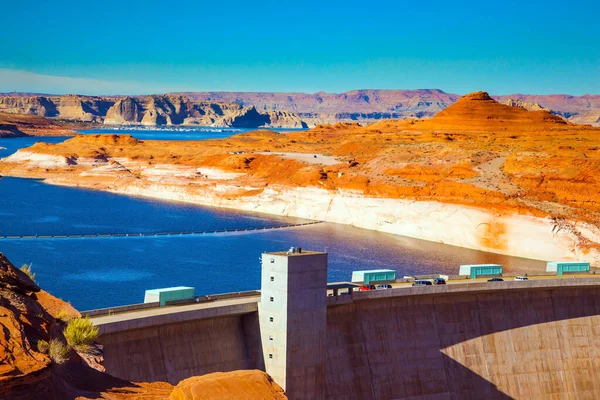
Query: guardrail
119, 309
152, 234
144, 306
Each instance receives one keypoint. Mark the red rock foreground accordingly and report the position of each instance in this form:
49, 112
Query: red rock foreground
28, 315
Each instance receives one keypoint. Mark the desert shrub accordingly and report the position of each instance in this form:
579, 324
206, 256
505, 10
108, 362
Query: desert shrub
58, 351
28, 271
42, 346
80, 333
63, 315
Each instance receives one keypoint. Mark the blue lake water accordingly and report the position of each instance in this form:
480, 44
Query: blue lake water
178, 133
102, 272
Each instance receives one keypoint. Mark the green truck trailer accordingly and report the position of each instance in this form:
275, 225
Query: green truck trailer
475, 270
168, 294
374, 276
561, 267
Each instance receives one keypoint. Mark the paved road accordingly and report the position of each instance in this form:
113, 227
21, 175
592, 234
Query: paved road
156, 311
485, 280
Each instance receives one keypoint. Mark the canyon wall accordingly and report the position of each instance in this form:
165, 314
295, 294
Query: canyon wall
370, 105
155, 110
365, 106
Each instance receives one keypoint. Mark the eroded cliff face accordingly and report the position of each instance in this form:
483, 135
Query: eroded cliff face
529, 106
155, 110
365, 106
68, 107
29, 315
368, 106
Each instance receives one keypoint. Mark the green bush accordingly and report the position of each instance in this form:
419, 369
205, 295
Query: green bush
42, 346
80, 333
58, 351
27, 269
63, 316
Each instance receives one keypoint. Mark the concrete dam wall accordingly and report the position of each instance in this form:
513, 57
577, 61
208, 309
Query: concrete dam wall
176, 351
535, 339
501, 344
523, 344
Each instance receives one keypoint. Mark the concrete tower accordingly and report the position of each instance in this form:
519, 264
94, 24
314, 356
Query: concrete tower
293, 319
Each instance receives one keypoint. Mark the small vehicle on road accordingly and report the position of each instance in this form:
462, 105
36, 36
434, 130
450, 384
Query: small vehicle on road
422, 283
439, 281
384, 286
366, 288
521, 278
496, 280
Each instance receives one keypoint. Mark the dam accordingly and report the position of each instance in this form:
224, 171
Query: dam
470, 340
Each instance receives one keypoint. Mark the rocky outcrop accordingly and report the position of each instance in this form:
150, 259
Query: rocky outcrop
68, 107
31, 105
239, 385
125, 111
526, 105
479, 111
155, 110
246, 118
356, 105
284, 119
365, 106
82, 109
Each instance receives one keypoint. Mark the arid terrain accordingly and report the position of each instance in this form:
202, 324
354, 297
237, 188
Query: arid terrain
479, 174
155, 110
30, 316
17, 125
276, 110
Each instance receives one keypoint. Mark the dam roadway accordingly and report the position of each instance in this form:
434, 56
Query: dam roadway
470, 340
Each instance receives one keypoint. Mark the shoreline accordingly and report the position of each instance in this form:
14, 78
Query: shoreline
473, 228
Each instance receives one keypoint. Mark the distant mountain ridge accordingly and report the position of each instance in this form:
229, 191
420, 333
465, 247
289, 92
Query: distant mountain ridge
154, 110
277, 109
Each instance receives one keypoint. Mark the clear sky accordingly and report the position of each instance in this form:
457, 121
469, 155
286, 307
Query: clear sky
136, 47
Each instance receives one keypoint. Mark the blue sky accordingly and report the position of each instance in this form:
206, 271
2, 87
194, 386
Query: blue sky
135, 47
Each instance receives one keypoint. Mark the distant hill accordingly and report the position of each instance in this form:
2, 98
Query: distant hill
152, 110
293, 109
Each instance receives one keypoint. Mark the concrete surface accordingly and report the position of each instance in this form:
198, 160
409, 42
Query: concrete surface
470, 339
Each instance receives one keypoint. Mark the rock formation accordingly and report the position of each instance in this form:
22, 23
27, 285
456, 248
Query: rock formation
16, 125
479, 111
124, 112
371, 105
155, 110
365, 106
526, 105
494, 170
28, 316
356, 105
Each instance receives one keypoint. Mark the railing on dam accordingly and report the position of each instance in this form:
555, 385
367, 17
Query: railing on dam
153, 234
144, 306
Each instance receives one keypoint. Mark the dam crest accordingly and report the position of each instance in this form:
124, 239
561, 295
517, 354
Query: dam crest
475, 340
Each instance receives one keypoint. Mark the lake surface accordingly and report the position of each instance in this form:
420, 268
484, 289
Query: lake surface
103, 272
